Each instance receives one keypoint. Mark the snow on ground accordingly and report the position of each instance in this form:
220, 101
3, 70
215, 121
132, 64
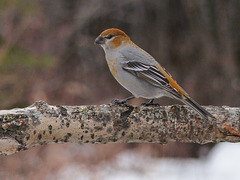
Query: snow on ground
222, 163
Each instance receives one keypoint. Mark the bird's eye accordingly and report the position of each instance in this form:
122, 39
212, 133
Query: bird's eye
109, 36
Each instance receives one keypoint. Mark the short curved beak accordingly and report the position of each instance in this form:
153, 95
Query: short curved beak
99, 40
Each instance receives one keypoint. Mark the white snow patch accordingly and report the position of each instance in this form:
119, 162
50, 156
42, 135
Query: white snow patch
222, 163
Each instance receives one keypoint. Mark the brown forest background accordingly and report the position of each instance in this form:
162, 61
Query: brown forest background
47, 52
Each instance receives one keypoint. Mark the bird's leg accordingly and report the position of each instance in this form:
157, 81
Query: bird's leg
122, 101
150, 103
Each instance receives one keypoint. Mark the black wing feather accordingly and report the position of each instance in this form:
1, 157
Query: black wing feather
151, 74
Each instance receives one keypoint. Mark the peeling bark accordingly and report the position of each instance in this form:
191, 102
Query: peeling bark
40, 123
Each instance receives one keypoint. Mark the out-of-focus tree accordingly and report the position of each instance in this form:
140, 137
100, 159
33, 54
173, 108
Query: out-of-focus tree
198, 42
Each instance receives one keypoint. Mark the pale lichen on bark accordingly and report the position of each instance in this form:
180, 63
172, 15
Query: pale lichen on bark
40, 123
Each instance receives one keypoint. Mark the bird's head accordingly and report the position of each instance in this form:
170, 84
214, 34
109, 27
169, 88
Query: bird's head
112, 39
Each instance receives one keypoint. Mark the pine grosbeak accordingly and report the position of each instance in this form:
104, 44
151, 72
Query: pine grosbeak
139, 72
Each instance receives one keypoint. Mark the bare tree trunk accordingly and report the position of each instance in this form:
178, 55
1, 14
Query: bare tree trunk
41, 123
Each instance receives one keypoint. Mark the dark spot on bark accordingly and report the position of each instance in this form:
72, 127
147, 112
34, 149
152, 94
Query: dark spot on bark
20, 148
125, 114
131, 135
27, 137
123, 122
92, 136
39, 136
109, 129
50, 132
82, 137
53, 114
87, 141
43, 143
163, 141
154, 129
54, 137
44, 132
210, 127
56, 141
35, 120
67, 136
86, 131
105, 117
123, 133
63, 111
34, 132
99, 140
98, 128
191, 128
67, 124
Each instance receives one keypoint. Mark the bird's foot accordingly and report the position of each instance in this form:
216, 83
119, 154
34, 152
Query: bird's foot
122, 101
150, 103
119, 101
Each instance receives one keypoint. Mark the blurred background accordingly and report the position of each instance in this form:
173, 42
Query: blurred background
47, 52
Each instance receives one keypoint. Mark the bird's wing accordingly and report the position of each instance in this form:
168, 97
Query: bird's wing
152, 75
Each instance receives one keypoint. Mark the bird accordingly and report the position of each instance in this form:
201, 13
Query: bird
139, 73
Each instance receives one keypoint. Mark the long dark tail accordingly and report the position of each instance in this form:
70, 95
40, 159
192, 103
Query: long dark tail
199, 109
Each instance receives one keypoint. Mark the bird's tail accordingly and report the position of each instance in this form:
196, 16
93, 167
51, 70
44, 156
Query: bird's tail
198, 108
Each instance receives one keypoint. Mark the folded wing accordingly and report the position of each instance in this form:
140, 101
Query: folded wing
151, 74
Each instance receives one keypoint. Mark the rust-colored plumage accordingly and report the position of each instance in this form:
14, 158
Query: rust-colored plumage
114, 31
120, 37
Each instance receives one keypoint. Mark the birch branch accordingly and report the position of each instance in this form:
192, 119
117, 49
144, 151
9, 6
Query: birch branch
40, 123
